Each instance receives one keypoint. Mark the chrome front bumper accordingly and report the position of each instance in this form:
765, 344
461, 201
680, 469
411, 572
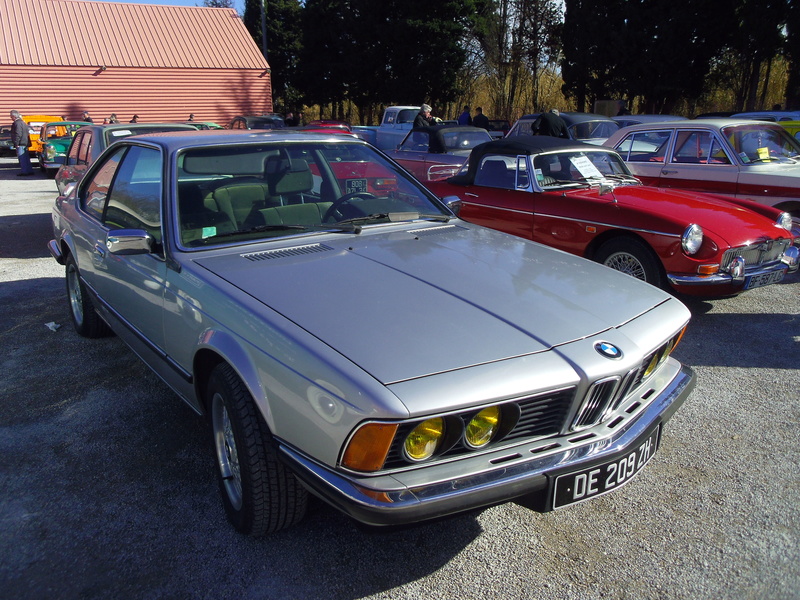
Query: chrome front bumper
790, 266
529, 479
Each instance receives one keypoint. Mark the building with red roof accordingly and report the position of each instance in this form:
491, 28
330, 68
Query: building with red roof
162, 63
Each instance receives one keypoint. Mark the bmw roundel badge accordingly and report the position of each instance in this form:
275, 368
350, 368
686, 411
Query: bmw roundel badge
608, 350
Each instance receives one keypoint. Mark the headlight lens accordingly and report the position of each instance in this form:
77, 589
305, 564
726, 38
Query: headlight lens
482, 427
785, 221
50, 154
424, 439
692, 239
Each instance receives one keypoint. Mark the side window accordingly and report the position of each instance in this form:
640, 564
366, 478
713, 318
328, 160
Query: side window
692, 147
135, 198
644, 146
496, 173
718, 156
84, 149
74, 150
94, 193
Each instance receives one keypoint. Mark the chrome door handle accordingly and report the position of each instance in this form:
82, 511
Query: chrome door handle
668, 172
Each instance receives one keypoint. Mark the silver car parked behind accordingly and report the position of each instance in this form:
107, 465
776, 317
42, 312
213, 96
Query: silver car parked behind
347, 335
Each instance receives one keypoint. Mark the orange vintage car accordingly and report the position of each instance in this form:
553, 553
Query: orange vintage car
35, 123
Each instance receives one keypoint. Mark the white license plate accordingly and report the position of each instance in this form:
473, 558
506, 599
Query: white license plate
355, 185
763, 279
601, 479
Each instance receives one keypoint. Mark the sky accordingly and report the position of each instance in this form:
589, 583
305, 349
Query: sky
238, 4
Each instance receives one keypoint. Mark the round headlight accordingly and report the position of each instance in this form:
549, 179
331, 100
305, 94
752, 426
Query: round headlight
50, 154
785, 221
692, 239
482, 427
424, 439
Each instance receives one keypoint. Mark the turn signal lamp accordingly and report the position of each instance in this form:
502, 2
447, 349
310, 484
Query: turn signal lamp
424, 439
482, 427
707, 269
369, 446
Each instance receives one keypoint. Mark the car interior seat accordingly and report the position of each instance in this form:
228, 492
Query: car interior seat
289, 181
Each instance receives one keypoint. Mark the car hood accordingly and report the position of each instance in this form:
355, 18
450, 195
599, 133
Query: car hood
432, 299
730, 222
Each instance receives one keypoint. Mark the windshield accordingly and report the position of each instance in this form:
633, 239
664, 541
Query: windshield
244, 193
762, 143
589, 130
579, 168
456, 141
62, 130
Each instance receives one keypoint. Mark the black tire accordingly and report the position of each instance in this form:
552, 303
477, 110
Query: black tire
41, 163
260, 495
633, 257
81, 308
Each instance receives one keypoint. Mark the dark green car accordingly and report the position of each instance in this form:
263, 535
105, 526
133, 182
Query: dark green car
55, 138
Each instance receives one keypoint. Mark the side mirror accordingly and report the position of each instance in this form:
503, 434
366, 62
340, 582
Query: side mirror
129, 241
453, 203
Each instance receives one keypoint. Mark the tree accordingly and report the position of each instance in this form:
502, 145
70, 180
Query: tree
284, 32
658, 50
393, 51
793, 54
218, 3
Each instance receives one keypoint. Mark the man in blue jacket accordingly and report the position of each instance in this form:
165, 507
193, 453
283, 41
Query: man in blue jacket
21, 140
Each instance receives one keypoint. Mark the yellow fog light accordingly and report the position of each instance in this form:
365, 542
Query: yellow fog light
482, 427
651, 366
424, 439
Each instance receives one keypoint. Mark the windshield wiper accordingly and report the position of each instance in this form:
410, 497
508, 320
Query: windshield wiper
621, 177
396, 217
264, 228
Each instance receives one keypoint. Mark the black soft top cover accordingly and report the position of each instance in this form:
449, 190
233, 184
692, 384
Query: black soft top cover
515, 146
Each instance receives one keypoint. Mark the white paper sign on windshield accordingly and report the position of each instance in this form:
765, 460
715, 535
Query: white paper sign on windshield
586, 167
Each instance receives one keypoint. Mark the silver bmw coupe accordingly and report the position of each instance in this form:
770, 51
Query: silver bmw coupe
348, 336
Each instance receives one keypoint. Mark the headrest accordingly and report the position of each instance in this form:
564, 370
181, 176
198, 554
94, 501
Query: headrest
286, 176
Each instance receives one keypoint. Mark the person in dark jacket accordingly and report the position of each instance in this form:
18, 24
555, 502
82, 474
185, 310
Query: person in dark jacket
550, 123
465, 118
480, 119
86, 118
423, 118
21, 140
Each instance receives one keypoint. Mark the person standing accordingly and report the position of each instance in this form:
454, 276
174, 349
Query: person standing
86, 118
550, 123
480, 119
134, 119
113, 118
465, 118
21, 140
423, 118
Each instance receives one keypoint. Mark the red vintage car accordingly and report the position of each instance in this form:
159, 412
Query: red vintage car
582, 199
437, 152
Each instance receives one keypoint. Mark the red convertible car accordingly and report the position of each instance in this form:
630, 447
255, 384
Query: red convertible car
582, 199
438, 152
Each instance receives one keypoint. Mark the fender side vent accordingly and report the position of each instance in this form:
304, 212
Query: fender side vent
287, 252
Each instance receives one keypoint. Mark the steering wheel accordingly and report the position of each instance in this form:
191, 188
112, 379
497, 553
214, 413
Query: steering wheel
339, 202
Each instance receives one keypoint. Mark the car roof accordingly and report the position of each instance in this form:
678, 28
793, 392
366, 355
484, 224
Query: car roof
716, 123
172, 141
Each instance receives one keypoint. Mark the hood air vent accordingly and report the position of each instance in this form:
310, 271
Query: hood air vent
287, 252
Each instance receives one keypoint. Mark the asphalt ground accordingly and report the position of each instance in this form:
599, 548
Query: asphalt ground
107, 485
